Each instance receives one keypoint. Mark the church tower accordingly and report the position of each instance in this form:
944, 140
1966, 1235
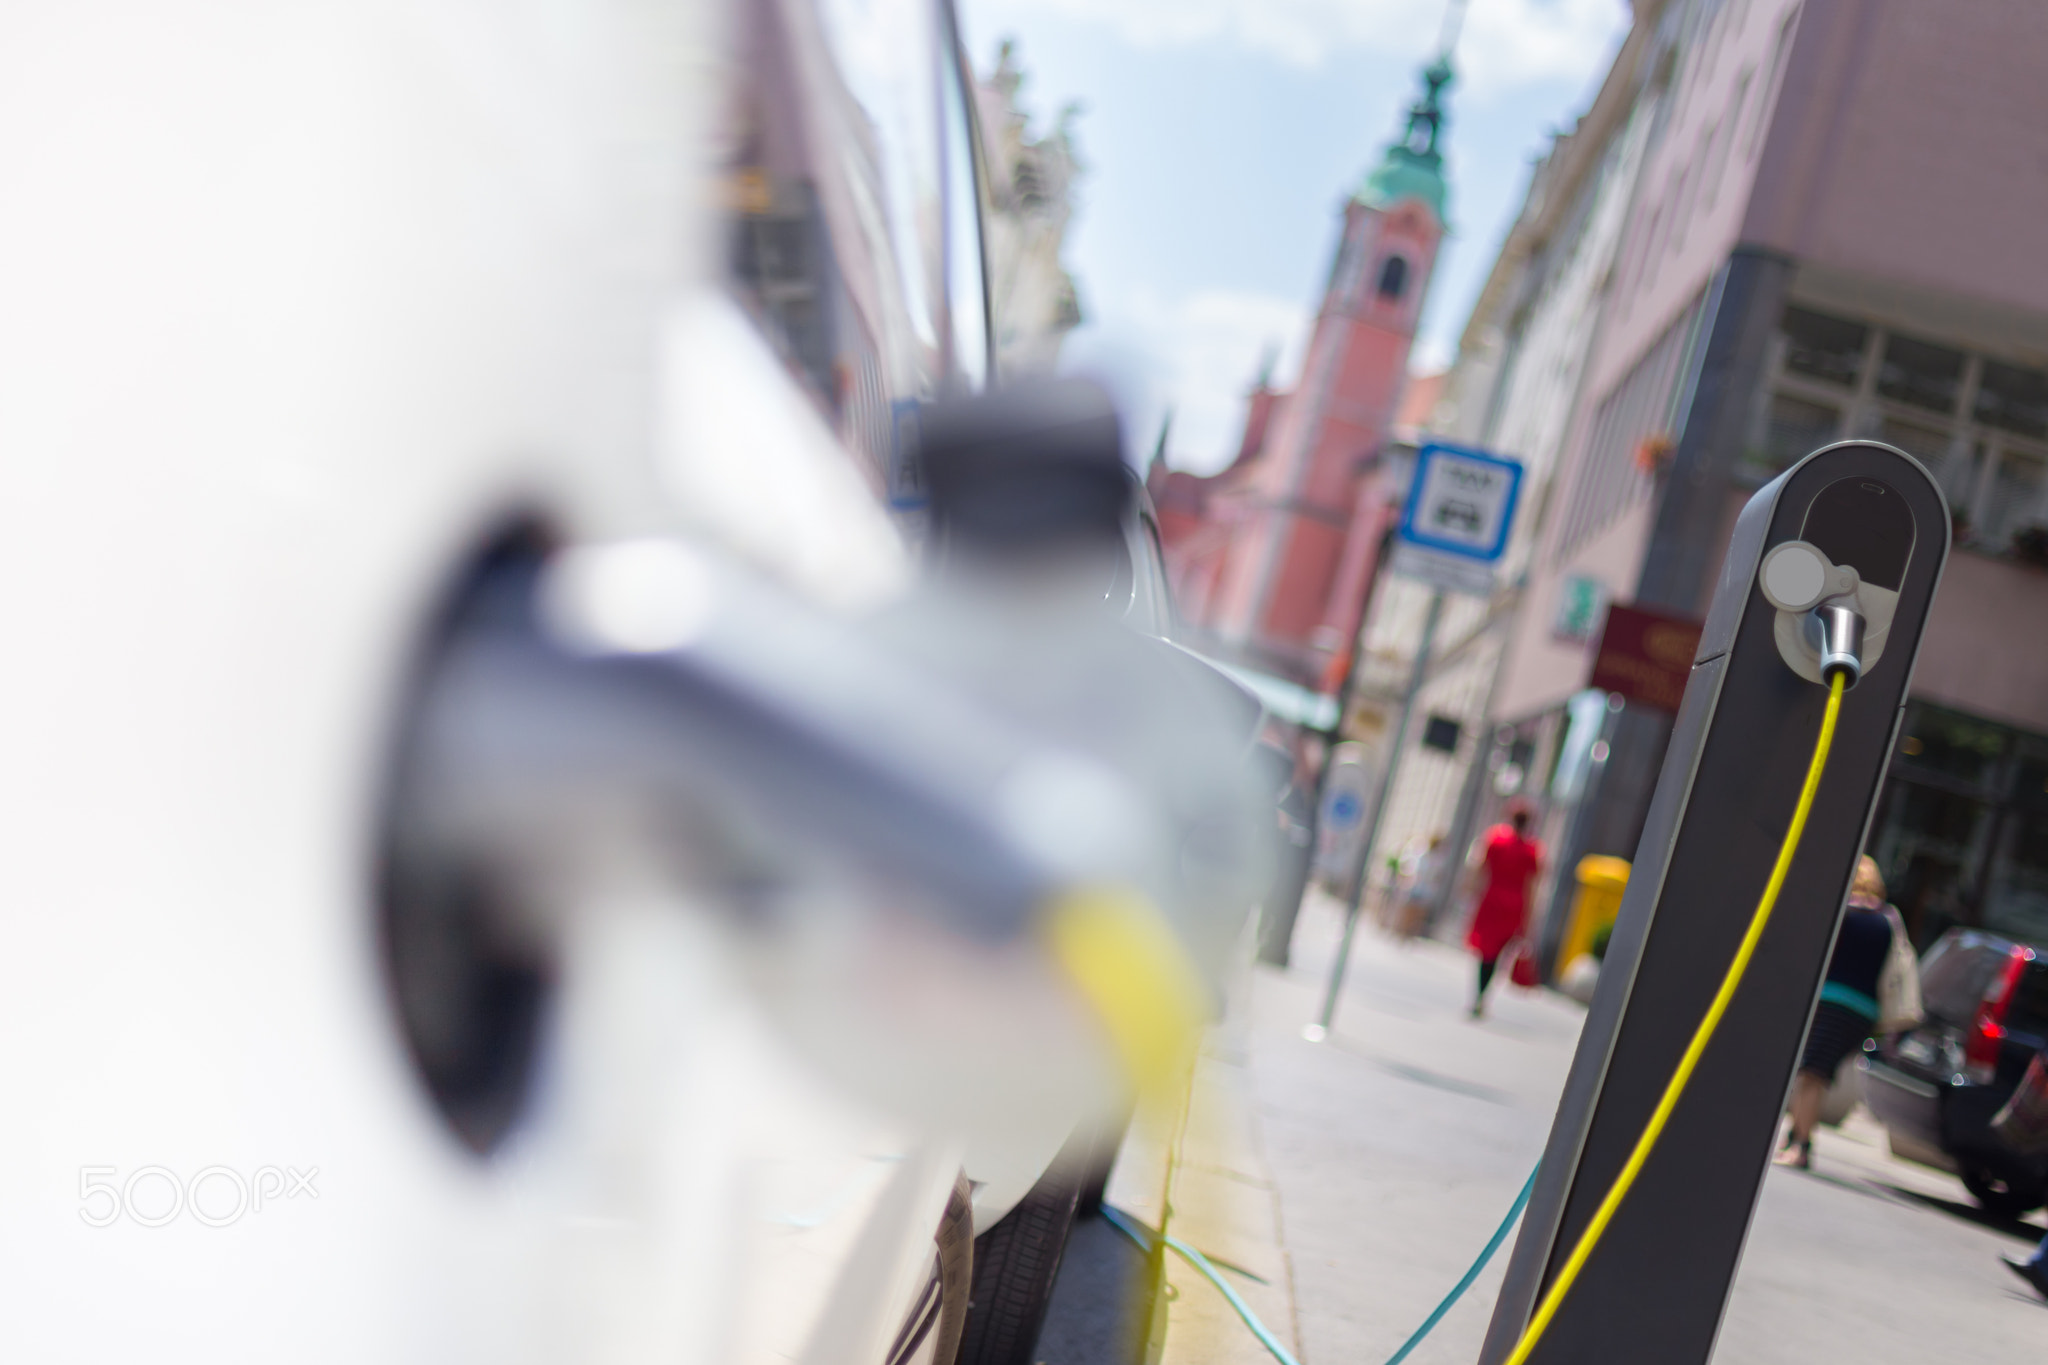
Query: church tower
1292, 570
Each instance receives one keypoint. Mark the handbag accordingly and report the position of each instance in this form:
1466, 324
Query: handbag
2023, 1124
1522, 969
1898, 988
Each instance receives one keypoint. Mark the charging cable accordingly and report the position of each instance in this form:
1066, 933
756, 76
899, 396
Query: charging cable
1130, 1228
1137, 1232
1838, 678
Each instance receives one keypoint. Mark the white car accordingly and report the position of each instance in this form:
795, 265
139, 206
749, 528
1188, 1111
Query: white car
371, 998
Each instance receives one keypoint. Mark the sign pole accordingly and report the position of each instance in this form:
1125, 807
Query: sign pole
1416, 677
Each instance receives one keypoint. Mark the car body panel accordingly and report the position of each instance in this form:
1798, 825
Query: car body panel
1916, 1081
304, 304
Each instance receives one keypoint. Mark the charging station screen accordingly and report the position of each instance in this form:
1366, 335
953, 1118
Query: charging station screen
1865, 523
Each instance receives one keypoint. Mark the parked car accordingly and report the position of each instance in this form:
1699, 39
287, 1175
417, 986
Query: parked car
1936, 1087
338, 336
1047, 596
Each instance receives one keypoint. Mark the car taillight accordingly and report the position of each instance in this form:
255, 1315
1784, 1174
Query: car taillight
1987, 1032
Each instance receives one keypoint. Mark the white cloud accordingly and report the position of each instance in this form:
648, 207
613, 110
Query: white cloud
1506, 43
1195, 357
1432, 353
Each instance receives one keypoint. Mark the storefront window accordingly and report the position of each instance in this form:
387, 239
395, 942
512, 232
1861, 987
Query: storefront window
1930, 844
1980, 425
1949, 744
1824, 348
2015, 513
1929, 445
2013, 399
1962, 831
782, 267
2016, 892
1920, 373
887, 53
1795, 428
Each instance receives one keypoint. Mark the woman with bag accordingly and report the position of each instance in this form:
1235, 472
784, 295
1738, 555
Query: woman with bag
1509, 861
1849, 1011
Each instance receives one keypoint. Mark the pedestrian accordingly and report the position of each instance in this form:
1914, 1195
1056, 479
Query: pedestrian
2033, 1269
1508, 862
1425, 883
1848, 1011
2023, 1126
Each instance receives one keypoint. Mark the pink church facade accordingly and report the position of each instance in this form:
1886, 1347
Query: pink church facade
1272, 558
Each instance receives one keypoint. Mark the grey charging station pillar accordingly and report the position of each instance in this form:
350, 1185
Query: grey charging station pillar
1655, 1287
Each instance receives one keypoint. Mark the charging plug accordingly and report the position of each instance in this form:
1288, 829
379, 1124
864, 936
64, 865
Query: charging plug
1841, 641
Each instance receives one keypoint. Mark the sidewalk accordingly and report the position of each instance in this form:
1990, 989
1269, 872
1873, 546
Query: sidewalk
1399, 1142
1360, 1176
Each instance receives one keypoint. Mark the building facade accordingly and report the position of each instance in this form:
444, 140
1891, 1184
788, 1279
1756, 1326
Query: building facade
1823, 227
1032, 298
1272, 558
1514, 389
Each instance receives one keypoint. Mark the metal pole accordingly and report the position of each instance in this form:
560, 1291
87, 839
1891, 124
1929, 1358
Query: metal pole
1459, 841
1416, 677
1331, 738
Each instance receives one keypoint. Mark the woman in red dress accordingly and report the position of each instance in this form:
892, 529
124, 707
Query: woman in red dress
1509, 860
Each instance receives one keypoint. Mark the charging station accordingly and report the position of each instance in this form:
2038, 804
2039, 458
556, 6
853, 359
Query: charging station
1832, 569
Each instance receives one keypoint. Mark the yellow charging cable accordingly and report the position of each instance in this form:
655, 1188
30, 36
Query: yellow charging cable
1701, 1036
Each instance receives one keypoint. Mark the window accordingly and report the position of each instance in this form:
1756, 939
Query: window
1644, 406
1768, 90
1954, 462
1920, 373
1823, 348
2013, 399
780, 260
1349, 267
967, 281
2016, 899
1949, 744
1955, 976
1961, 415
887, 53
1393, 278
1962, 832
2015, 514
1793, 429
1688, 187
1728, 122
1928, 445
1718, 138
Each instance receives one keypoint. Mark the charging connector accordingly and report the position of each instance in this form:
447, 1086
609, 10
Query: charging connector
1841, 641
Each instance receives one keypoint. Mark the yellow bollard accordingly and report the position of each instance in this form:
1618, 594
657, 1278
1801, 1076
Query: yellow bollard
1601, 881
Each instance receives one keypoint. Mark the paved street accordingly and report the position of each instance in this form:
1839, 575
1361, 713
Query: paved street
1394, 1148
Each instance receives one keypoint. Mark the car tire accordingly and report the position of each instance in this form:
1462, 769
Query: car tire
1996, 1196
1015, 1263
930, 1334
1093, 1158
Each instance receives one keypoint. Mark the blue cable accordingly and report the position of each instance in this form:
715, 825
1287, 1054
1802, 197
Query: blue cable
1500, 1234
1201, 1263
1125, 1224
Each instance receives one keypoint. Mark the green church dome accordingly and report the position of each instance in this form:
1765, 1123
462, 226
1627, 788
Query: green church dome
1413, 168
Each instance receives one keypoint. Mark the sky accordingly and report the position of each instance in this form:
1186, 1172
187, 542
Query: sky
1221, 137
